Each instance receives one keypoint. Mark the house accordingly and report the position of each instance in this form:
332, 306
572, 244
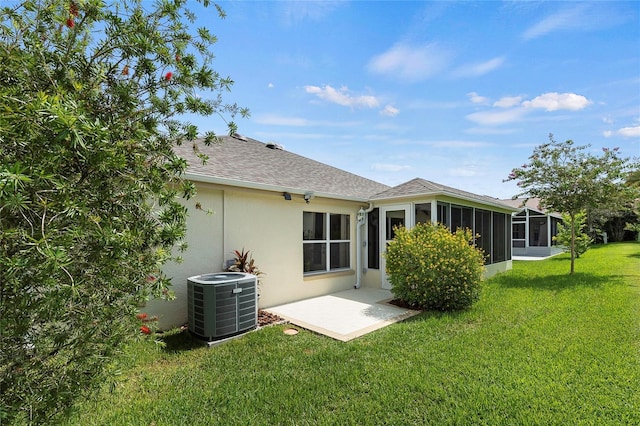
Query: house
311, 228
533, 228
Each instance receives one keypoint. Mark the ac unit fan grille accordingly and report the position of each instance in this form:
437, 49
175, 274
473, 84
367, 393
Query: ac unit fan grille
221, 309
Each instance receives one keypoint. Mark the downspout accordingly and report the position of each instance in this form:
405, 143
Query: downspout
362, 217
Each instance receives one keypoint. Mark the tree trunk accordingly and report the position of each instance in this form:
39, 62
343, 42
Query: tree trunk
573, 242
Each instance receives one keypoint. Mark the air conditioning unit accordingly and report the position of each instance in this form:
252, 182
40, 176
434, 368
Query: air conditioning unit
222, 304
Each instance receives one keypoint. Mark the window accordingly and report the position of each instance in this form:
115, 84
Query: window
499, 237
373, 239
395, 219
554, 228
538, 232
519, 234
509, 237
423, 213
518, 230
443, 214
483, 227
461, 217
326, 243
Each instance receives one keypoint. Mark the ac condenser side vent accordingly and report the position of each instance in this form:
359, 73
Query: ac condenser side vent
222, 305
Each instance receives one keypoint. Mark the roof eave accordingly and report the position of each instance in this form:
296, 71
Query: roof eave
197, 177
448, 194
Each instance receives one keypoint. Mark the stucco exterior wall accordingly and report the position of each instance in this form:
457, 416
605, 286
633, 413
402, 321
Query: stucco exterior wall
270, 227
204, 254
267, 225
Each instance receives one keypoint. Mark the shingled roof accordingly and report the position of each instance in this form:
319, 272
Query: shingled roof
246, 162
419, 187
531, 204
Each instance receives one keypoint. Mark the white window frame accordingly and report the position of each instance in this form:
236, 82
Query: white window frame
327, 242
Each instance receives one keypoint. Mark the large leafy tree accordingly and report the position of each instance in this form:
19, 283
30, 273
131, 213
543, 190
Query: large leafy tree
91, 97
633, 179
570, 179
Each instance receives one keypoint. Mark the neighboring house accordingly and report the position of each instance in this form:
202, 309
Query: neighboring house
311, 228
534, 228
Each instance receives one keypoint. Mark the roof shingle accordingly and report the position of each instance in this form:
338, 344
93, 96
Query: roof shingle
246, 160
418, 186
243, 161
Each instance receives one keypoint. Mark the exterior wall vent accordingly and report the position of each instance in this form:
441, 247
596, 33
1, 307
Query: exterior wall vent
222, 304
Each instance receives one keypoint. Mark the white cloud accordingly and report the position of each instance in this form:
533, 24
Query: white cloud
390, 111
630, 132
380, 167
508, 101
475, 70
411, 63
510, 109
563, 20
625, 132
607, 120
555, 101
294, 12
579, 16
458, 144
489, 131
278, 120
342, 97
493, 118
463, 172
477, 99
270, 85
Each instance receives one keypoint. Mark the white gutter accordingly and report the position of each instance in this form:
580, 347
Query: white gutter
267, 187
497, 203
359, 243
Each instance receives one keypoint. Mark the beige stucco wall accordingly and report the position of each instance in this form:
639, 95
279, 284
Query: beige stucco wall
267, 225
271, 228
204, 253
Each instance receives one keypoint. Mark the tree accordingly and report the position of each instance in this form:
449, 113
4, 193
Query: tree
611, 220
565, 233
569, 179
91, 101
633, 179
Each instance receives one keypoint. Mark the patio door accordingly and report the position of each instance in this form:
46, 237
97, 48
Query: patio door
390, 217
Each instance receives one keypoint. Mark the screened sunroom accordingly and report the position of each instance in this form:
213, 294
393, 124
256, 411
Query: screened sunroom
533, 229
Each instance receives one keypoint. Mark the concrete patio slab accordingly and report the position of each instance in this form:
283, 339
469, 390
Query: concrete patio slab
344, 315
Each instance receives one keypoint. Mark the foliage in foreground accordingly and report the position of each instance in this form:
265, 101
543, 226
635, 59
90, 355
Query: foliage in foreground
89, 184
432, 268
540, 347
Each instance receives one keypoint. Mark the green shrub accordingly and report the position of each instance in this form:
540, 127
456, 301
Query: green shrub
581, 238
432, 268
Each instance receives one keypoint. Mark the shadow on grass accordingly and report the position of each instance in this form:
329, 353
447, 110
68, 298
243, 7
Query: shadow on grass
179, 341
431, 314
553, 282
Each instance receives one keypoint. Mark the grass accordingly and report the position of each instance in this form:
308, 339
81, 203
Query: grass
541, 347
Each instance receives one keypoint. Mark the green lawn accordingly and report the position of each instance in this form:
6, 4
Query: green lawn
541, 347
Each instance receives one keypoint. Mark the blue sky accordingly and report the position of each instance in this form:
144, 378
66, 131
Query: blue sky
454, 92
